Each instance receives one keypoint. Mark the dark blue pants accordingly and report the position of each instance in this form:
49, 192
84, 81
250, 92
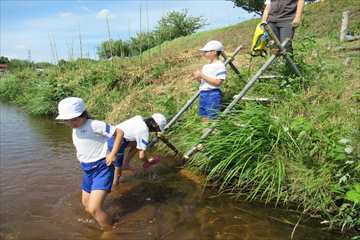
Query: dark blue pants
210, 103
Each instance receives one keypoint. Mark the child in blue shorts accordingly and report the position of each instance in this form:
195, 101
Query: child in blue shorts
211, 77
90, 139
134, 134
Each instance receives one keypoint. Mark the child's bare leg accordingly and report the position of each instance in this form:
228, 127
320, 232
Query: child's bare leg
85, 196
95, 207
117, 174
131, 150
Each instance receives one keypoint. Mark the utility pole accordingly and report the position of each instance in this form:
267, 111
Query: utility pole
80, 43
140, 38
147, 24
109, 36
51, 49
129, 36
29, 55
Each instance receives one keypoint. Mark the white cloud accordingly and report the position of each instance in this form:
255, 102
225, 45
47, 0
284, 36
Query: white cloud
20, 46
104, 14
65, 14
86, 9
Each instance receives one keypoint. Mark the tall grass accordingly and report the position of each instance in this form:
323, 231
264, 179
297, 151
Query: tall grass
100, 84
255, 155
239, 154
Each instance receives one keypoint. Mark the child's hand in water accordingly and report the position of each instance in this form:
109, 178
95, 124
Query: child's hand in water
197, 75
110, 159
151, 161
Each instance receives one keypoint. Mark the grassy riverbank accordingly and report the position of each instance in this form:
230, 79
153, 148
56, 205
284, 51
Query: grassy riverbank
303, 148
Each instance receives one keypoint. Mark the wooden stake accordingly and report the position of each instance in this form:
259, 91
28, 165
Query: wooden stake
350, 48
344, 26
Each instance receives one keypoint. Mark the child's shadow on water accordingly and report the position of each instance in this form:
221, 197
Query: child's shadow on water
145, 193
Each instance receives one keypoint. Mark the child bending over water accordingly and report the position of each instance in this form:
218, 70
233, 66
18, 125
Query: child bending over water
134, 134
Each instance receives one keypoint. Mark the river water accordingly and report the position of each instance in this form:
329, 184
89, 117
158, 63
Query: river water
40, 196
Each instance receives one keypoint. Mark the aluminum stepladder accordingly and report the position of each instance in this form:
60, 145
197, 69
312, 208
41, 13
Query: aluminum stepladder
248, 86
189, 103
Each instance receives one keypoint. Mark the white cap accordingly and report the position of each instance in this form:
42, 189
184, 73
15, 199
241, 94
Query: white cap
213, 46
70, 108
160, 120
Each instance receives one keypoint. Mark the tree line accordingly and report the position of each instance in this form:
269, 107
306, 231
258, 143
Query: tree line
172, 25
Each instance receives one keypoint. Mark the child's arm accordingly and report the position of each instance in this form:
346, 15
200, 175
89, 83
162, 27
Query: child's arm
266, 13
142, 140
299, 13
198, 75
111, 157
213, 81
142, 156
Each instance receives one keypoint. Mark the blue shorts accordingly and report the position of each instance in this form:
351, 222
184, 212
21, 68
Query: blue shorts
121, 152
97, 176
210, 103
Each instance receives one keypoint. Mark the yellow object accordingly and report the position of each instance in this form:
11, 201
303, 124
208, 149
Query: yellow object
260, 41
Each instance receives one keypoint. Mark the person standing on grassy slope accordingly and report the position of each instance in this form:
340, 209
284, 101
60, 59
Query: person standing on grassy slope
283, 16
134, 135
211, 76
90, 139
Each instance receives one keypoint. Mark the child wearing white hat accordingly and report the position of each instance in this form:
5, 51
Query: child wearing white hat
134, 134
90, 139
211, 76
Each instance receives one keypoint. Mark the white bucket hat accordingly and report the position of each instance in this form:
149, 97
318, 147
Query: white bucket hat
160, 119
70, 108
213, 46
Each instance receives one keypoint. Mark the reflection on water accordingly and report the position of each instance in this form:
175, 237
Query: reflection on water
40, 196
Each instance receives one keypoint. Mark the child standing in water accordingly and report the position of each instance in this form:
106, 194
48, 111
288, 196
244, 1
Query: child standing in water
90, 139
211, 77
134, 134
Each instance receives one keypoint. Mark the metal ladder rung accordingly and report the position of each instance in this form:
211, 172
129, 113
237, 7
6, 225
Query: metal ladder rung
257, 99
271, 77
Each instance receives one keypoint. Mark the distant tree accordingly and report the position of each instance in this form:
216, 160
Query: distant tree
112, 48
62, 63
142, 42
177, 24
255, 6
4, 60
43, 65
121, 48
18, 64
103, 50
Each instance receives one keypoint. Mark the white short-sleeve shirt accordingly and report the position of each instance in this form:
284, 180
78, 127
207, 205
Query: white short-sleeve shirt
90, 140
216, 70
267, 2
135, 129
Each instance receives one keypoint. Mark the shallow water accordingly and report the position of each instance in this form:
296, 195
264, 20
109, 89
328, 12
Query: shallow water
40, 196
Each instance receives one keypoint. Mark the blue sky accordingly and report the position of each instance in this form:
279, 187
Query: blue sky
36, 25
